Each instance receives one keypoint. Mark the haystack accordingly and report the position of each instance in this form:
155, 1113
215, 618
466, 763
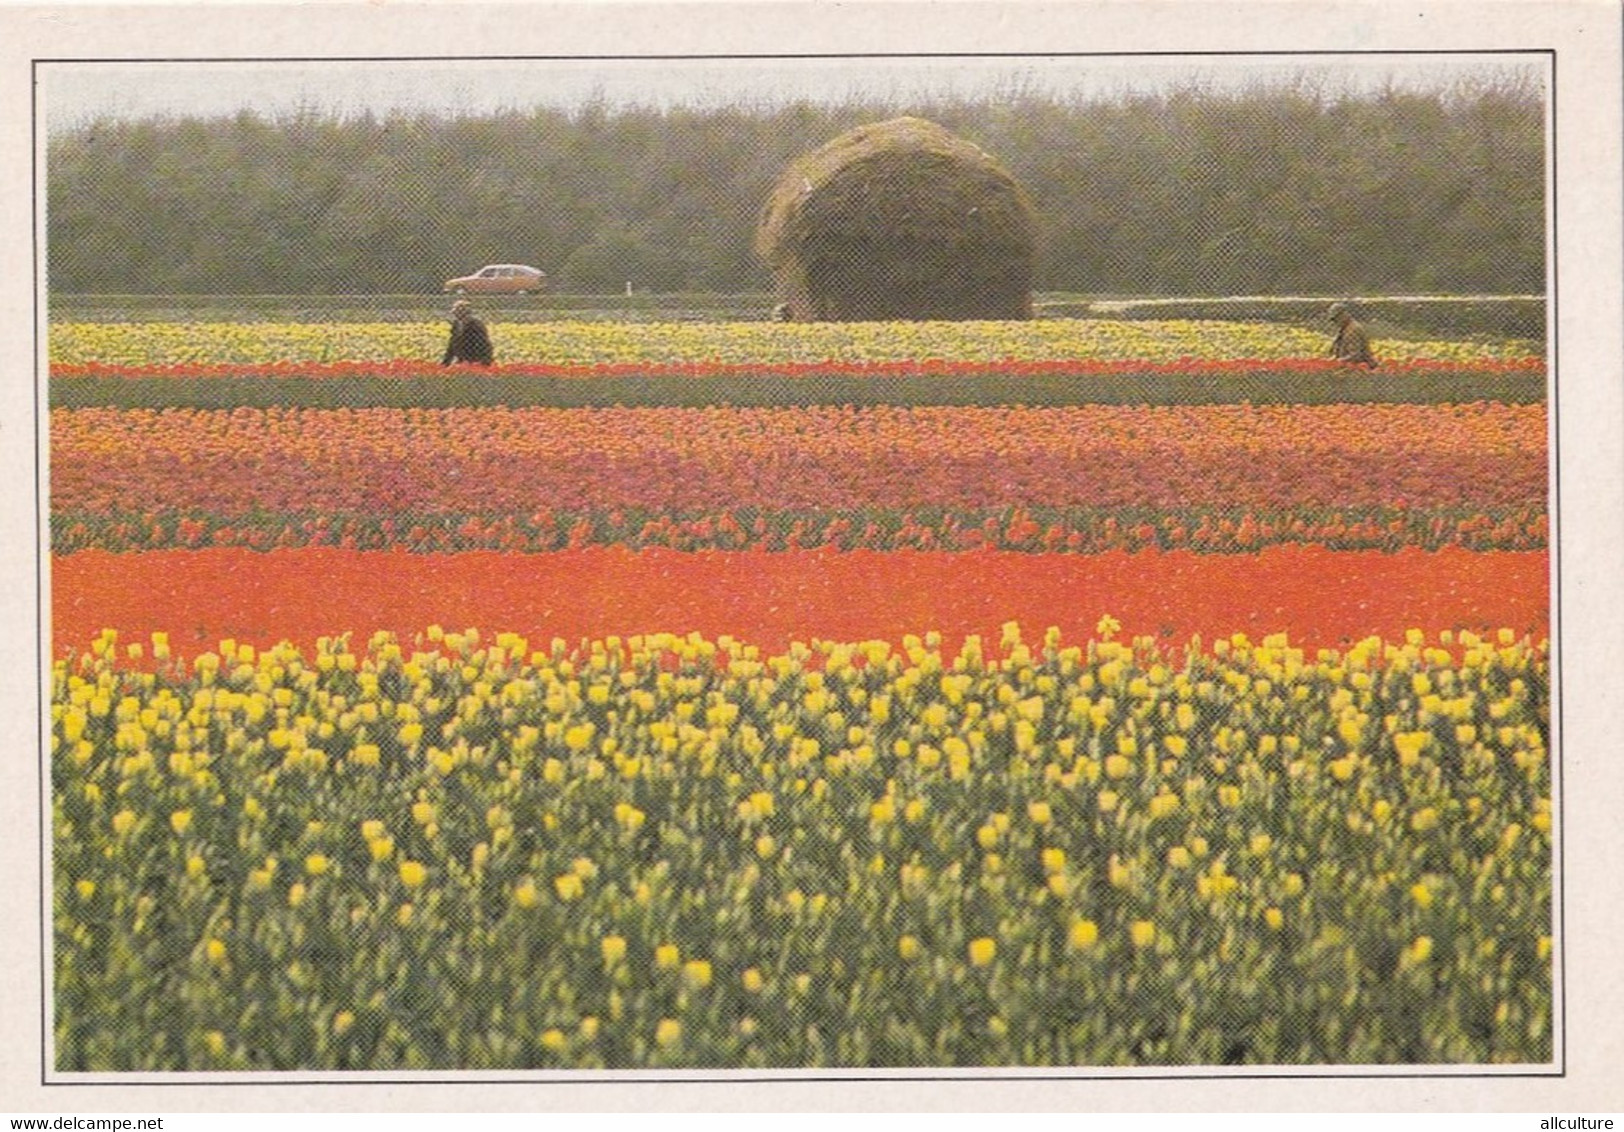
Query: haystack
899, 220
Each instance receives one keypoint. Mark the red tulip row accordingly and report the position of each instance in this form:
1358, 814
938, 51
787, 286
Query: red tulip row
1321, 597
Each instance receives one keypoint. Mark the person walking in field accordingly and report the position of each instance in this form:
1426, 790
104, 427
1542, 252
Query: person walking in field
1352, 344
470, 341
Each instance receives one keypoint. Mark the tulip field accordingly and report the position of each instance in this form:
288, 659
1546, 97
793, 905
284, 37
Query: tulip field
144, 346
1092, 695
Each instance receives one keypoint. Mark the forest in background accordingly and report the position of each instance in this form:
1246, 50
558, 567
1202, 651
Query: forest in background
1273, 191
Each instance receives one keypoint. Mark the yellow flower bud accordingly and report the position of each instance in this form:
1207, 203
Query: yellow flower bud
697, 973
982, 951
1083, 934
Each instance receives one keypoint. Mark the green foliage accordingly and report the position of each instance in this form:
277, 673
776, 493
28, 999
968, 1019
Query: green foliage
477, 857
617, 255
462, 390
551, 306
1273, 191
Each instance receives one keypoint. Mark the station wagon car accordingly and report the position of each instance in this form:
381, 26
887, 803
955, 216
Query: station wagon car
499, 279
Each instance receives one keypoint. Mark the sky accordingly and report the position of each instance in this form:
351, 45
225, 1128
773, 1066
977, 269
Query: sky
73, 93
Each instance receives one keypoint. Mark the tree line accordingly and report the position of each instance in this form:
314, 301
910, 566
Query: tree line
1282, 190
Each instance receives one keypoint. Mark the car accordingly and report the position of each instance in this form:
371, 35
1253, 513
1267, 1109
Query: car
499, 279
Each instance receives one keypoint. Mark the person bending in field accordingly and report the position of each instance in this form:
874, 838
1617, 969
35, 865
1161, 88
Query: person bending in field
1352, 344
470, 341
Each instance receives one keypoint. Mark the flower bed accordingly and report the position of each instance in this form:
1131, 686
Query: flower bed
668, 851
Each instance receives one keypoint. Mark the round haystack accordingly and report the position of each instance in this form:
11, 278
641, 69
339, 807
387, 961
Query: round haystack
899, 220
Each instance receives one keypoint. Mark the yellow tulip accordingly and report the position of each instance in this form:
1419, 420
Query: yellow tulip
697, 973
